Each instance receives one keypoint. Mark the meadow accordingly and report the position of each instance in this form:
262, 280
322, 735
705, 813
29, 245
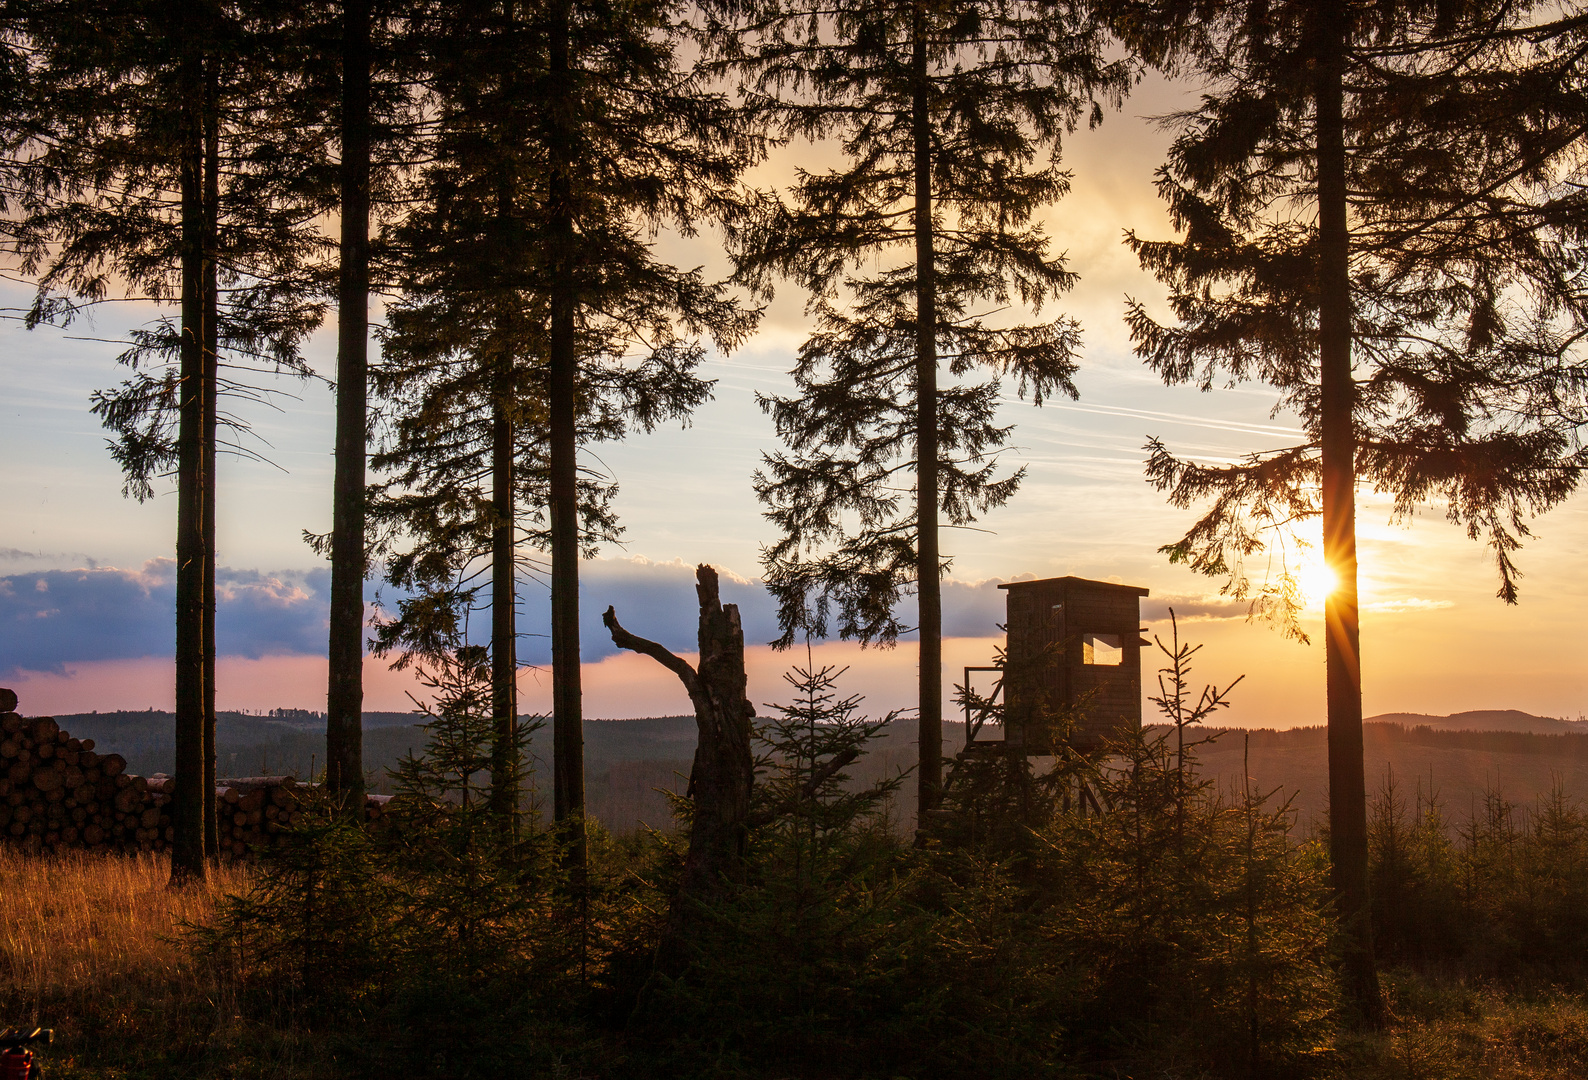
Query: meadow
808, 975
94, 947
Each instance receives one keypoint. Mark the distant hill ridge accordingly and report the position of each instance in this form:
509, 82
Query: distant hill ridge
1485, 720
1464, 759
627, 762
630, 762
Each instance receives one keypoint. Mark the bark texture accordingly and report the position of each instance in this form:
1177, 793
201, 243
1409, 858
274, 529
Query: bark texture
929, 772
504, 603
212, 352
567, 696
187, 852
344, 712
724, 769
1342, 652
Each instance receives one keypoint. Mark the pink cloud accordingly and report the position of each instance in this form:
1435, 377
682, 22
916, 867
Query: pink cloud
270, 682
625, 685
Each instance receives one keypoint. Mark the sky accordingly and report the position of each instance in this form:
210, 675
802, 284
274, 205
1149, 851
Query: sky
86, 577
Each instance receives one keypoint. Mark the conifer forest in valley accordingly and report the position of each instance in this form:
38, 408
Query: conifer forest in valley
1372, 213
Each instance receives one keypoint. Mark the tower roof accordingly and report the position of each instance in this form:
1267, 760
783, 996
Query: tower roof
1071, 581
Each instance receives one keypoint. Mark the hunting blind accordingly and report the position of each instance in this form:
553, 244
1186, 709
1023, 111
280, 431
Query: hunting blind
1071, 642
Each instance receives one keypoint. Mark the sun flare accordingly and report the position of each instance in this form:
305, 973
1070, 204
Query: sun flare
1316, 579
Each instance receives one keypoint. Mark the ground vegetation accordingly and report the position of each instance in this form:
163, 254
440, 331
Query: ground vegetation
1178, 928
1357, 192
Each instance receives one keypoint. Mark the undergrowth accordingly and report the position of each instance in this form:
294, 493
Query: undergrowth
1112, 916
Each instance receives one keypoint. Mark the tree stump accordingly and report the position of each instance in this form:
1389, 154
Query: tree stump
724, 768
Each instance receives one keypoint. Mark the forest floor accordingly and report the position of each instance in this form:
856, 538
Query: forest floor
95, 948
98, 949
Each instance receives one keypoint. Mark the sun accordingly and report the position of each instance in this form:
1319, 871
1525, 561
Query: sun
1316, 579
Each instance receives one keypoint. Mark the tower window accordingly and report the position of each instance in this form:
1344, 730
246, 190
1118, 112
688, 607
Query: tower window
1103, 650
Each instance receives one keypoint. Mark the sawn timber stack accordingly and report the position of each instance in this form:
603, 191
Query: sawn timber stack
58, 793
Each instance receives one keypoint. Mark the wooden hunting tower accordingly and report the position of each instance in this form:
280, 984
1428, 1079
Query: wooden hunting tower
1069, 637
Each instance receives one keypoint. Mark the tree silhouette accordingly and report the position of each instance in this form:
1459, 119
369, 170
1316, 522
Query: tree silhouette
564, 135
157, 160
943, 113
633, 140
1344, 189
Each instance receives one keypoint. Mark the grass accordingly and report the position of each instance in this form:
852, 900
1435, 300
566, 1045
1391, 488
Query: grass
94, 947
73, 927
1454, 1031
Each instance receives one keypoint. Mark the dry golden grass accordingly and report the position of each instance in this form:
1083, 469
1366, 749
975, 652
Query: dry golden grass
93, 946
74, 926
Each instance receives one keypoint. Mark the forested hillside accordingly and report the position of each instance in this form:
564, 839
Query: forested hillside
1458, 766
632, 763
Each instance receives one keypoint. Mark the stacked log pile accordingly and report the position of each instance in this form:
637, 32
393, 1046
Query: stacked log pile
60, 793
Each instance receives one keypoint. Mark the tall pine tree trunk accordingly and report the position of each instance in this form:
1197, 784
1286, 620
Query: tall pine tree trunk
567, 698
929, 773
344, 699
211, 286
503, 802
187, 849
1342, 655
504, 601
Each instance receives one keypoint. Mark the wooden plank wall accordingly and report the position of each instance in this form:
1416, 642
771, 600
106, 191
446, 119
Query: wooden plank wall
1055, 615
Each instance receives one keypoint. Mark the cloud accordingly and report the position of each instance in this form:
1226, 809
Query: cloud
657, 600
1199, 608
50, 618
974, 608
44, 558
1407, 603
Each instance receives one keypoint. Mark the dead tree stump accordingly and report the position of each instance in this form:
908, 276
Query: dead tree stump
724, 768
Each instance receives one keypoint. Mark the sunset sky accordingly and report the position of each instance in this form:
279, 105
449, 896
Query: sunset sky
86, 582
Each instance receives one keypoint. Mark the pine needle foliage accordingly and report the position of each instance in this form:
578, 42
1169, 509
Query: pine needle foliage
163, 164
454, 768
1198, 926
97, 181
481, 903
819, 938
948, 119
1347, 189
319, 923
535, 315
1461, 303
436, 903
969, 98
803, 794
1497, 891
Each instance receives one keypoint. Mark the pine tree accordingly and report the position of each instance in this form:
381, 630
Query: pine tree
344, 703
466, 369
942, 112
355, 75
568, 133
1343, 188
633, 140
481, 898
801, 793
149, 118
